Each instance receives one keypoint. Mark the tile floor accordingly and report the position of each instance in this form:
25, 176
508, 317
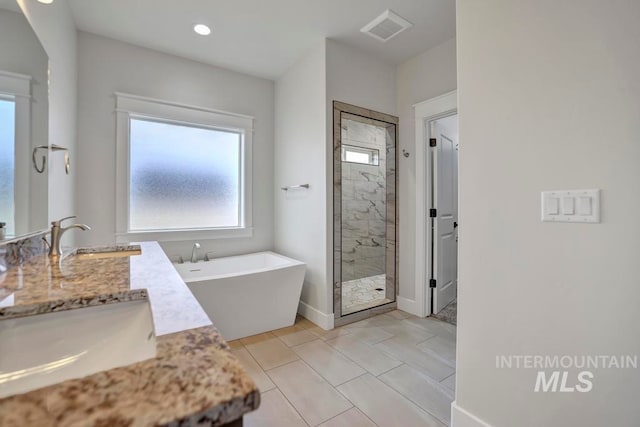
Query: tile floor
360, 294
390, 370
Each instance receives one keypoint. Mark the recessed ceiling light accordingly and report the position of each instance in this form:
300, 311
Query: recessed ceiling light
46, 1
202, 29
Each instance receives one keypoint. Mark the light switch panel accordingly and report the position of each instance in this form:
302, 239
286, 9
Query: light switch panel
553, 206
568, 205
584, 205
571, 206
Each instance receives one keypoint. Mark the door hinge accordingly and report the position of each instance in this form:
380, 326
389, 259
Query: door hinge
433, 213
432, 283
432, 142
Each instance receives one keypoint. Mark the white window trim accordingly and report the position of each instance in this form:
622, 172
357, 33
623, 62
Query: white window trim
17, 87
128, 106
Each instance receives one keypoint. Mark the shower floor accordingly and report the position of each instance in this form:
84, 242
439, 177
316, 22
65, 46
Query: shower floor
360, 294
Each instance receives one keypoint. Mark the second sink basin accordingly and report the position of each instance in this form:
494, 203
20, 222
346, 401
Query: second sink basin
46, 349
115, 251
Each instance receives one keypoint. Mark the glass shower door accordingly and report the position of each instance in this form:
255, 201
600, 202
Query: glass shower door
364, 210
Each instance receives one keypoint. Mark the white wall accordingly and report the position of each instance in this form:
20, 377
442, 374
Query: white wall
356, 78
425, 76
21, 52
304, 154
300, 158
548, 99
106, 66
54, 26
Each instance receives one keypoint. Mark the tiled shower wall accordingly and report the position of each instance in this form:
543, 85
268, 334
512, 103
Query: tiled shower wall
363, 204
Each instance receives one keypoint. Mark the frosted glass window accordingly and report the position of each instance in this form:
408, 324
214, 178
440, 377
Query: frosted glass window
7, 163
354, 156
183, 177
362, 155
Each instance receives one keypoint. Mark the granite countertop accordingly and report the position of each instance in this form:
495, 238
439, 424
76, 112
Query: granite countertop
193, 380
43, 285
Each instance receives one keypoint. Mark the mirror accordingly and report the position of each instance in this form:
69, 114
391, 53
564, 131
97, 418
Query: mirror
24, 112
364, 211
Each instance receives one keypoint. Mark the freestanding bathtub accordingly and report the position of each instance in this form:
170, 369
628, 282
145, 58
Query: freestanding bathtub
247, 294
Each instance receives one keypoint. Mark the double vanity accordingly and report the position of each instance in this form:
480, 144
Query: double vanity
106, 336
113, 336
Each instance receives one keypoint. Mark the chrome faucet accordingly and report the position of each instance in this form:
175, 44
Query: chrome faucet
194, 252
56, 234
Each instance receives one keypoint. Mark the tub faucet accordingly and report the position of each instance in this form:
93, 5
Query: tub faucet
56, 235
194, 252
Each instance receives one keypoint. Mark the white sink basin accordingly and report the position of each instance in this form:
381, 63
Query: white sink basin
40, 350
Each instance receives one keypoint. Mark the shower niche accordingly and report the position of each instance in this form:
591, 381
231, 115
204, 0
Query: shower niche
365, 232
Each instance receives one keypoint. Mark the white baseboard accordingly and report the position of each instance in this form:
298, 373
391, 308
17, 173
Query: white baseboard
462, 418
325, 321
409, 305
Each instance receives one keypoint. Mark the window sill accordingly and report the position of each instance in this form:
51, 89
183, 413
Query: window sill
184, 235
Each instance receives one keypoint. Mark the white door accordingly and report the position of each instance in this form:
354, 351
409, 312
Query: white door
445, 198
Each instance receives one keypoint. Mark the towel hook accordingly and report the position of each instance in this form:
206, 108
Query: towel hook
53, 147
44, 158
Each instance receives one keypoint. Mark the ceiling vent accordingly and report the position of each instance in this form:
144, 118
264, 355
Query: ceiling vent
386, 26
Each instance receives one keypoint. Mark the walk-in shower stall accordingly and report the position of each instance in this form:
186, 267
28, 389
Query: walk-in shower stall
365, 232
